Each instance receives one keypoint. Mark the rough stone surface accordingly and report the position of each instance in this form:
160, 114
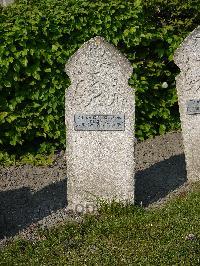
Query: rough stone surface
6, 2
100, 163
187, 57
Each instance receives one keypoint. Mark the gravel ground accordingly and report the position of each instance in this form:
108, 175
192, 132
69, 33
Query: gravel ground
32, 196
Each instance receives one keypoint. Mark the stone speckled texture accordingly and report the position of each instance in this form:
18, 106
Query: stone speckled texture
100, 164
6, 2
187, 58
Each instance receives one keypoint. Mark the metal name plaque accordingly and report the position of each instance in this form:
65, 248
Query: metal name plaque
99, 122
193, 107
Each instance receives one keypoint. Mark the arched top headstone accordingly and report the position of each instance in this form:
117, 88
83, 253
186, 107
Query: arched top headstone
99, 75
100, 118
189, 52
97, 55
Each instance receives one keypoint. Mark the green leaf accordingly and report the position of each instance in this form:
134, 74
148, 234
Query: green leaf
55, 47
162, 129
7, 83
24, 61
36, 75
48, 70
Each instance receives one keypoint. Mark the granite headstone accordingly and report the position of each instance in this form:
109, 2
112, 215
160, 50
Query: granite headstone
99, 117
187, 58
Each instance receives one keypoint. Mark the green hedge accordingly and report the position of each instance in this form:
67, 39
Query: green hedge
38, 37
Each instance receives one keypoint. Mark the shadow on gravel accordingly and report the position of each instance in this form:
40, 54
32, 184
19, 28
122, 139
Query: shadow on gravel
20, 208
158, 180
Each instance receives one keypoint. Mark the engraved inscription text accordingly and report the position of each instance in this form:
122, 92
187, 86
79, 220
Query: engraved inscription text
193, 107
99, 122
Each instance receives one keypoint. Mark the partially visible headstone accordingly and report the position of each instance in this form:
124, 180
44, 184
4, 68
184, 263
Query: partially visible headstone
187, 57
100, 117
6, 2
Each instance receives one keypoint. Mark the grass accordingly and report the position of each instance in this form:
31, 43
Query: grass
119, 235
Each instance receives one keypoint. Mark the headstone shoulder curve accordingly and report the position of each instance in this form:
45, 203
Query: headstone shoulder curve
189, 49
106, 50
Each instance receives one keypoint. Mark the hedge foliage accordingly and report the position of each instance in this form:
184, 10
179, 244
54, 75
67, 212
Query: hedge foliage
39, 36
